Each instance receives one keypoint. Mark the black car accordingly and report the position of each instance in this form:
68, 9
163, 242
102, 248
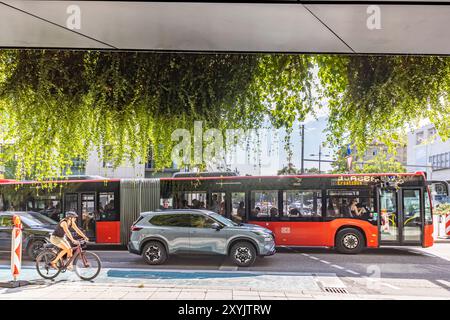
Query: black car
36, 232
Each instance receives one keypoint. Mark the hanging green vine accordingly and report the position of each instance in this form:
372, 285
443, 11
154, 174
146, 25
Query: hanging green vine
56, 106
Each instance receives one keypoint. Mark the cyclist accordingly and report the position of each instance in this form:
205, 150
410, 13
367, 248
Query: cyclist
62, 231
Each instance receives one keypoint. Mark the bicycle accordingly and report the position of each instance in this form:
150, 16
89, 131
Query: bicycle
87, 265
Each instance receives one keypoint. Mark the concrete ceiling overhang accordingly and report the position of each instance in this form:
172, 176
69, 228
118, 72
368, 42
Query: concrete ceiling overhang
404, 27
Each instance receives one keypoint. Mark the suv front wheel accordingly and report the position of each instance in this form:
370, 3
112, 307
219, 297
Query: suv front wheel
243, 254
154, 253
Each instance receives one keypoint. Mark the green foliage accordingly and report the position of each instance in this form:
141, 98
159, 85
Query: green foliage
339, 163
59, 105
379, 97
379, 164
290, 169
442, 209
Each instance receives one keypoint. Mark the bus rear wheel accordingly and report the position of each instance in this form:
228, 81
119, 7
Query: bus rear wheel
350, 241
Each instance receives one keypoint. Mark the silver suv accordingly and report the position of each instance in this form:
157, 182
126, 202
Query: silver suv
156, 235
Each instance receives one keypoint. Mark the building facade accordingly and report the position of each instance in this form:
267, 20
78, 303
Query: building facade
376, 148
428, 152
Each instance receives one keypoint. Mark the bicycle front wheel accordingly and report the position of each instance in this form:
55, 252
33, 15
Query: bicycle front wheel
43, 266
87, 265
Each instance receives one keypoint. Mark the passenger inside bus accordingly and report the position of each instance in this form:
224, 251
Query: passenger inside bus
273, 212
238, 213
333, 207
214, 206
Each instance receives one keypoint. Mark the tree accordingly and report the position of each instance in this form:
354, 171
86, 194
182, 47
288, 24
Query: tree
379, 97
379, 164
312, 170
288, 170
339, 165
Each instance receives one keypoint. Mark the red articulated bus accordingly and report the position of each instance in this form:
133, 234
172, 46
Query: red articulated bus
347, 211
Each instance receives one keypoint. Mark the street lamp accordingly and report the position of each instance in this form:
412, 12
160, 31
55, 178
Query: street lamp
320, 155
302, 167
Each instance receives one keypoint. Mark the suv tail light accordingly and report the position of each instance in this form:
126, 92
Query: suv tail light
135, 228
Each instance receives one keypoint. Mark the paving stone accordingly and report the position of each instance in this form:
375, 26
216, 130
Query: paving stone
164, 295
244, 297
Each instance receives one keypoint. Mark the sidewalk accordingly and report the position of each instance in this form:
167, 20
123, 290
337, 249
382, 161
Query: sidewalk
441, 249
65, 290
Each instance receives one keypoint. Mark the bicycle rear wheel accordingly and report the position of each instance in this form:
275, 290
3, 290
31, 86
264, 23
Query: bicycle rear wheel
87, 265
43, 266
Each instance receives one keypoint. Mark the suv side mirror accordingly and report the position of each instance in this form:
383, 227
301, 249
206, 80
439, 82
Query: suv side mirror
216, 226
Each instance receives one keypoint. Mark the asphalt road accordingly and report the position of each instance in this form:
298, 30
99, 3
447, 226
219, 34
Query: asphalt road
390, 271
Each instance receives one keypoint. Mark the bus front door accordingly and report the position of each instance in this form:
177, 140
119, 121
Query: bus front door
400, 216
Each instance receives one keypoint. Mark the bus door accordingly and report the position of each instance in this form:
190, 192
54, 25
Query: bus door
83, 203
401, 221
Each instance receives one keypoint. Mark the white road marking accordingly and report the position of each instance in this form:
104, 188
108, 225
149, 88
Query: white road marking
444, 282
352, 272
337, 267
228, 268
323, 261
314, 258
305, 254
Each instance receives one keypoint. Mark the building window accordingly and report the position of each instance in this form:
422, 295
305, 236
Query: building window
440, 161
78, 167
419, 137
107, 157
431, 132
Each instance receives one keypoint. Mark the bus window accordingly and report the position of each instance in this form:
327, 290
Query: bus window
166, 203
49, 206
389, 215
238, 206
302, 204
107, 208
411, 215
192, 200
358, 204
216, 203
2, 203
428, 215
264, 204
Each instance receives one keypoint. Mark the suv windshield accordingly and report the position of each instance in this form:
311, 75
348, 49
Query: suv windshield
41, 218
29, 221
223, 220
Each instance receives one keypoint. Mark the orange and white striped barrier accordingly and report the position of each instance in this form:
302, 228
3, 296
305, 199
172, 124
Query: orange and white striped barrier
16, 248
447, 224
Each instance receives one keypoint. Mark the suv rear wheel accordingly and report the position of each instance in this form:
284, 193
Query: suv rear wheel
34, 248
154, 253
243, 254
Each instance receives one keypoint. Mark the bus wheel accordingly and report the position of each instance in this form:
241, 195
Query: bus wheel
243, 254
349, 241
154, 252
